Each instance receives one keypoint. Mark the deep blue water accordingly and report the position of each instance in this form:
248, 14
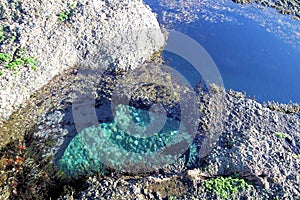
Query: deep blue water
257, 51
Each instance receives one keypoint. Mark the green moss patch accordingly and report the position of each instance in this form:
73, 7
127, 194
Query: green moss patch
225, 187
19, 59
13, 59
280, 135
65, 15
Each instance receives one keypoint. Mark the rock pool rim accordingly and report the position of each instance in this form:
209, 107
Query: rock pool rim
180, 44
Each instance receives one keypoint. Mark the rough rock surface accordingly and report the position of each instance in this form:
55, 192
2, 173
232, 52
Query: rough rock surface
287, 7
115, 34
259, 143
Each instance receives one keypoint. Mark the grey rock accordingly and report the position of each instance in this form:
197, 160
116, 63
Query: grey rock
124, 40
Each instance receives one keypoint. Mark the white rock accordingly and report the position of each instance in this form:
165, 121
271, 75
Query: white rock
125, 40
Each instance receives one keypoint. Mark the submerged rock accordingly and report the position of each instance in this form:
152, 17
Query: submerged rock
123, 144
259, 144
252, 147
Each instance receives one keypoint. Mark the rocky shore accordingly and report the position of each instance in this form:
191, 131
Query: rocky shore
259, 145
287, 7
255, 156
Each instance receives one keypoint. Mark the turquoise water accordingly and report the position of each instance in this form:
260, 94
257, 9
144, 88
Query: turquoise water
256, 50
123, 144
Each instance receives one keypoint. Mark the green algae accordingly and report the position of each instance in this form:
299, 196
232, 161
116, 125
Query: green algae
225, 187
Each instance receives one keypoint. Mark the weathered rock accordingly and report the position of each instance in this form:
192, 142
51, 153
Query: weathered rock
259, 143
287, 7
252, 146
115, 34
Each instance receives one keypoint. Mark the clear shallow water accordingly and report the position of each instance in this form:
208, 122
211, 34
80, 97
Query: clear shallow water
124, 144
256, 50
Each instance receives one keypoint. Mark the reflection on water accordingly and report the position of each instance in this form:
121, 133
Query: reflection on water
256, 49
216, 11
